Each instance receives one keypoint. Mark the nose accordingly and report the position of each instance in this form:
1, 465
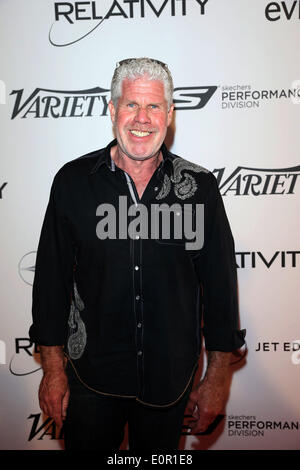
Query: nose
142, 115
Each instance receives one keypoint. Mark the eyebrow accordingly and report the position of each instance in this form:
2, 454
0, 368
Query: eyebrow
159, 103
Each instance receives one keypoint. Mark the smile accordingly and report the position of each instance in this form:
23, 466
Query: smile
140, 133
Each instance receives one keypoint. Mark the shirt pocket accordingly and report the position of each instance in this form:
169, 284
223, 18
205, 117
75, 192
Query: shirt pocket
174, 225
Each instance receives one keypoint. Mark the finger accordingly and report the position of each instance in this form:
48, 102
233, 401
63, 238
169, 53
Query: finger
65, 403
191, 405
58, 419
190, 408
201, 425
56, 412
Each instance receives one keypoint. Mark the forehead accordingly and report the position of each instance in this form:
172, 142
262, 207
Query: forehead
143, 89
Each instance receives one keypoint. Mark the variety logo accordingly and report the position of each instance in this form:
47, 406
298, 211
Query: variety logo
26, 267
243, 96
22, 362
275, 11
95, 13
245, 181
251, 426
46, 103
1, 189
41, 428
252, 259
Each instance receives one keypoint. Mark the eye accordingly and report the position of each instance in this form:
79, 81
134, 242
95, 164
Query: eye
153, 106
131, 105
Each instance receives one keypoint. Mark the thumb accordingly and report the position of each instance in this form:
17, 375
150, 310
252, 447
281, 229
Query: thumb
191, 405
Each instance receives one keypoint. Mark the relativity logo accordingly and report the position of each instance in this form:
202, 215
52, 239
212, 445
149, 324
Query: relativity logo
73, 21
23, 362
254, 259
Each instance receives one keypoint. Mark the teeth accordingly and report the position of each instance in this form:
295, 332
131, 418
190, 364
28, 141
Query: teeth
140, 133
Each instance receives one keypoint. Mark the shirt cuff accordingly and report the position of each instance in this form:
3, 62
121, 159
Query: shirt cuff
228, 342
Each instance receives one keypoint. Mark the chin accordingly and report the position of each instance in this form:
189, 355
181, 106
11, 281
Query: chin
140, 157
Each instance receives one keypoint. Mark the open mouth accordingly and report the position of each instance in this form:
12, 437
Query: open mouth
139, 133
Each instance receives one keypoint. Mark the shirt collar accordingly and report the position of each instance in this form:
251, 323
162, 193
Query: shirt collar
105, 158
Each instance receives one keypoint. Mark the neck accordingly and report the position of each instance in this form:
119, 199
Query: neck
136, 168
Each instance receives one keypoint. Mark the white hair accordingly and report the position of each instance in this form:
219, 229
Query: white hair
132, 69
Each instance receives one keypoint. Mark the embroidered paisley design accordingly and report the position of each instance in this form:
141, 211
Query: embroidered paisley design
165, 188
77, 331
184, 183
186, 188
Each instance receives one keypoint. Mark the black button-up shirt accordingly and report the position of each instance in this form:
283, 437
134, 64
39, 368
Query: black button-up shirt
130, 310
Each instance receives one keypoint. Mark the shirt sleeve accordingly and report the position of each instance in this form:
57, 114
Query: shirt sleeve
53, 280
216, 267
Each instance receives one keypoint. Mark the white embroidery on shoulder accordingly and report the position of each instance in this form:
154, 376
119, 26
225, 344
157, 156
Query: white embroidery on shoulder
185, 188
166, 186
184, 183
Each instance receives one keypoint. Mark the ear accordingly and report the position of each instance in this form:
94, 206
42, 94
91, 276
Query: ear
170, 115
112, 111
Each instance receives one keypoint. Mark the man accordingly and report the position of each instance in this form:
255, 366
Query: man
117, 299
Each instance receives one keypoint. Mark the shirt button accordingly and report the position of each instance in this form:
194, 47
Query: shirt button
137, 297
136, 268
137, 237
140, 353
139, 325
156, 188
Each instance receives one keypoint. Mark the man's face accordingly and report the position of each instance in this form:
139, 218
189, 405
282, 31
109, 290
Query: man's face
141, 118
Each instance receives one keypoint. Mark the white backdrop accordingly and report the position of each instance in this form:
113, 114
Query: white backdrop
247, 132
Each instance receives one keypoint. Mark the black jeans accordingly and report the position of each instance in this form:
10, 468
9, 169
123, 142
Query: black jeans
97, 422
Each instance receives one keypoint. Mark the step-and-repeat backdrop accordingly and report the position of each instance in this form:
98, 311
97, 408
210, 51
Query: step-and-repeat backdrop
236, 72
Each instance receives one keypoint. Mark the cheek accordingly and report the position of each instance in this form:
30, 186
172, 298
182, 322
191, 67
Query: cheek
161, 122
123, 121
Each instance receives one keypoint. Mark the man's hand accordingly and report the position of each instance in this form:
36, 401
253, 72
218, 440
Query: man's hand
54, 389
209, 398
54, 396
205, 404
